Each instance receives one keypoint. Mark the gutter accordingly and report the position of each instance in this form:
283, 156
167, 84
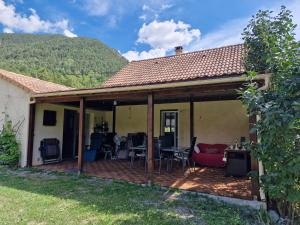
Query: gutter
151, 87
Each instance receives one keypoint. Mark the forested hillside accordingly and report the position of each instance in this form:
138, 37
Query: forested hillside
75, 62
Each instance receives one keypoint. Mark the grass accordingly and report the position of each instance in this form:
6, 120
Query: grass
38, 197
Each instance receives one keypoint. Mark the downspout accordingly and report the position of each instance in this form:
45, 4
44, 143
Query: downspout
260, 164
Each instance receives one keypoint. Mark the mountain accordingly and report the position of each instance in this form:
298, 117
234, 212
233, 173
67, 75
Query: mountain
75, 62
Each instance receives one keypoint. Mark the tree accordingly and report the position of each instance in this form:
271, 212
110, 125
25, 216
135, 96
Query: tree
271, 47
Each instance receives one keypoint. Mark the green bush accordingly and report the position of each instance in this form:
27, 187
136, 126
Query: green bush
9, 146
272, 48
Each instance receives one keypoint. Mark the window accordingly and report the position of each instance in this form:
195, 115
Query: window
49, 118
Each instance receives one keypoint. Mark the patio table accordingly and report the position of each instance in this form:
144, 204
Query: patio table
171, 151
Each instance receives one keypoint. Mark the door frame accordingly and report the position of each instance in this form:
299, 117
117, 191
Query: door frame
177, 124
74, 135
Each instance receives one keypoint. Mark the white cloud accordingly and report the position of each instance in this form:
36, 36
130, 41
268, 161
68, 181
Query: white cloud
162, 37
153, 8
14, 21
152, 53
166, 6
8, 30
228, 34
150, 9
69, 34
97, 7
167, 34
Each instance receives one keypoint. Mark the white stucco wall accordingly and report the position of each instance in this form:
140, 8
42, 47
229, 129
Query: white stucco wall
14, 102
56, 131
220, 122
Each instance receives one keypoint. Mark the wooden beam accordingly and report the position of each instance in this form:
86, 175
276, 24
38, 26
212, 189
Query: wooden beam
57, 99
191, 119
81, 135
114, 120
150, 119
194, 90
254, 162
30, 134
142, 94
134, 95
182, 100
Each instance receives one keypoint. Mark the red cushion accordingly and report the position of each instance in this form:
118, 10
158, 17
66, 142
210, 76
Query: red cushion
203, 147
210, 148
221, 147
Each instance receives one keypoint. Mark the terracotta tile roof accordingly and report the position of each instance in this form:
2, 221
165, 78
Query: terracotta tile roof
31, 84
205, 64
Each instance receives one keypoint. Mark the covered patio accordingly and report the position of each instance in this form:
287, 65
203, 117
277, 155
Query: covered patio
200, 179
203, 179
191, 95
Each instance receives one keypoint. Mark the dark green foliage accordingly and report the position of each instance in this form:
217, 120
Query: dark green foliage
9, 146
75, 62
271, 46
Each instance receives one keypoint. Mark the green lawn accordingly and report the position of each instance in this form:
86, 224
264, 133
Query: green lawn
37, 197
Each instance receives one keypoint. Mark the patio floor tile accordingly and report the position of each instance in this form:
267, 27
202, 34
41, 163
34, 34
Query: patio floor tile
202, 179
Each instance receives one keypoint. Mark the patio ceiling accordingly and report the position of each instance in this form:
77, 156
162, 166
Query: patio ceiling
107, 105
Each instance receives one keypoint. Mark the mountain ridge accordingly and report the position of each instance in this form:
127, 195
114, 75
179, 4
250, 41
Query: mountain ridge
75, 62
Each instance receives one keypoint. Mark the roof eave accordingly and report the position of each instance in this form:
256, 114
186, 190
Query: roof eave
150, 87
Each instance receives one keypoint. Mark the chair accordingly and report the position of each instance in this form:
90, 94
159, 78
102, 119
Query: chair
106, 146
120, 147
139, 154
186, 156
97, 140
50, 151
91, 151
167, 140
99, 143
142, 155
157, 152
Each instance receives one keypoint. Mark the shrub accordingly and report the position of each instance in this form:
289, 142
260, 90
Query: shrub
9, 146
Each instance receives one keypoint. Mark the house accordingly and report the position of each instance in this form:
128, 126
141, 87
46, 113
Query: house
190, 94
15, 98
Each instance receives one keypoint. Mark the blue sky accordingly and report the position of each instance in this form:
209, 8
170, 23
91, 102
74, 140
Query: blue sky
140, 29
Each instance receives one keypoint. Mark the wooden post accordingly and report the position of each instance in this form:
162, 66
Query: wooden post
254, 161
191, 119
114, 120
30, 134
81, 135
150, 119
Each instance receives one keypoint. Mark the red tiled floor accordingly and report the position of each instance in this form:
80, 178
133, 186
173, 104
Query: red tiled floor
203, 179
